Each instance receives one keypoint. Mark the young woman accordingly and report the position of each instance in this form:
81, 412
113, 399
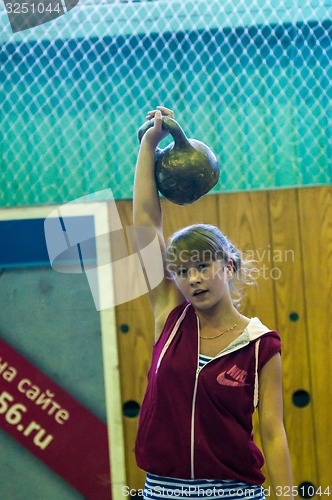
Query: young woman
211, 366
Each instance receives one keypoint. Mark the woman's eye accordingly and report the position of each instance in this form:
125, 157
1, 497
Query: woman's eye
181, 272
203, 266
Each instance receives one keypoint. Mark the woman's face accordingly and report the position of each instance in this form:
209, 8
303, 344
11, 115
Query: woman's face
204, 283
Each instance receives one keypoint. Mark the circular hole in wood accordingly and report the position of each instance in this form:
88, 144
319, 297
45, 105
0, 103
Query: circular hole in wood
301, 398
294, 316
131, 409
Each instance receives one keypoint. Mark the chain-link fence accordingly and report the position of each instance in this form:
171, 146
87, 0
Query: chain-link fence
252, 79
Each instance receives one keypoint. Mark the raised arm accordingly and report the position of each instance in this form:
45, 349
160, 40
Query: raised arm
147, 212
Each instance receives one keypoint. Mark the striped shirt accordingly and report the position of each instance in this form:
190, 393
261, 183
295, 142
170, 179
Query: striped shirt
157, 487
203, 360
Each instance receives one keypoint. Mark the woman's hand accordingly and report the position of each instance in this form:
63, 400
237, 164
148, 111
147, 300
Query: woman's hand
155, 134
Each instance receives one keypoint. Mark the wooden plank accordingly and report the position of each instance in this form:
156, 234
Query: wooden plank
287, 258
316, 235
244, 218
135, 338
135, 335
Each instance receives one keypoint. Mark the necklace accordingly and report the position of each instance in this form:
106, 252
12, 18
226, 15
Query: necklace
225, 331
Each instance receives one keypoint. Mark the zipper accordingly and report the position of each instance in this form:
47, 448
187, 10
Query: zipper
193, 406
192, 439
255, 402
192, 430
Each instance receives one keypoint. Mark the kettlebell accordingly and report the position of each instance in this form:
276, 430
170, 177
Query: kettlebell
186, 169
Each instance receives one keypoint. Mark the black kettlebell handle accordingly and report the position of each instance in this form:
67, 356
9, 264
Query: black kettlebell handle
168, 124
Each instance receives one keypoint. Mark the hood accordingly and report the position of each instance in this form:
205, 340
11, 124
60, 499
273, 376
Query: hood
256, 329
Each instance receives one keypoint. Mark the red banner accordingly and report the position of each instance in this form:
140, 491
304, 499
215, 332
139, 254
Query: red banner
58, 430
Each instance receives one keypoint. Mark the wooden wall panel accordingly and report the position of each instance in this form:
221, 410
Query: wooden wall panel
135, 331
287, 259
135, 338
244, 218
316, 239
